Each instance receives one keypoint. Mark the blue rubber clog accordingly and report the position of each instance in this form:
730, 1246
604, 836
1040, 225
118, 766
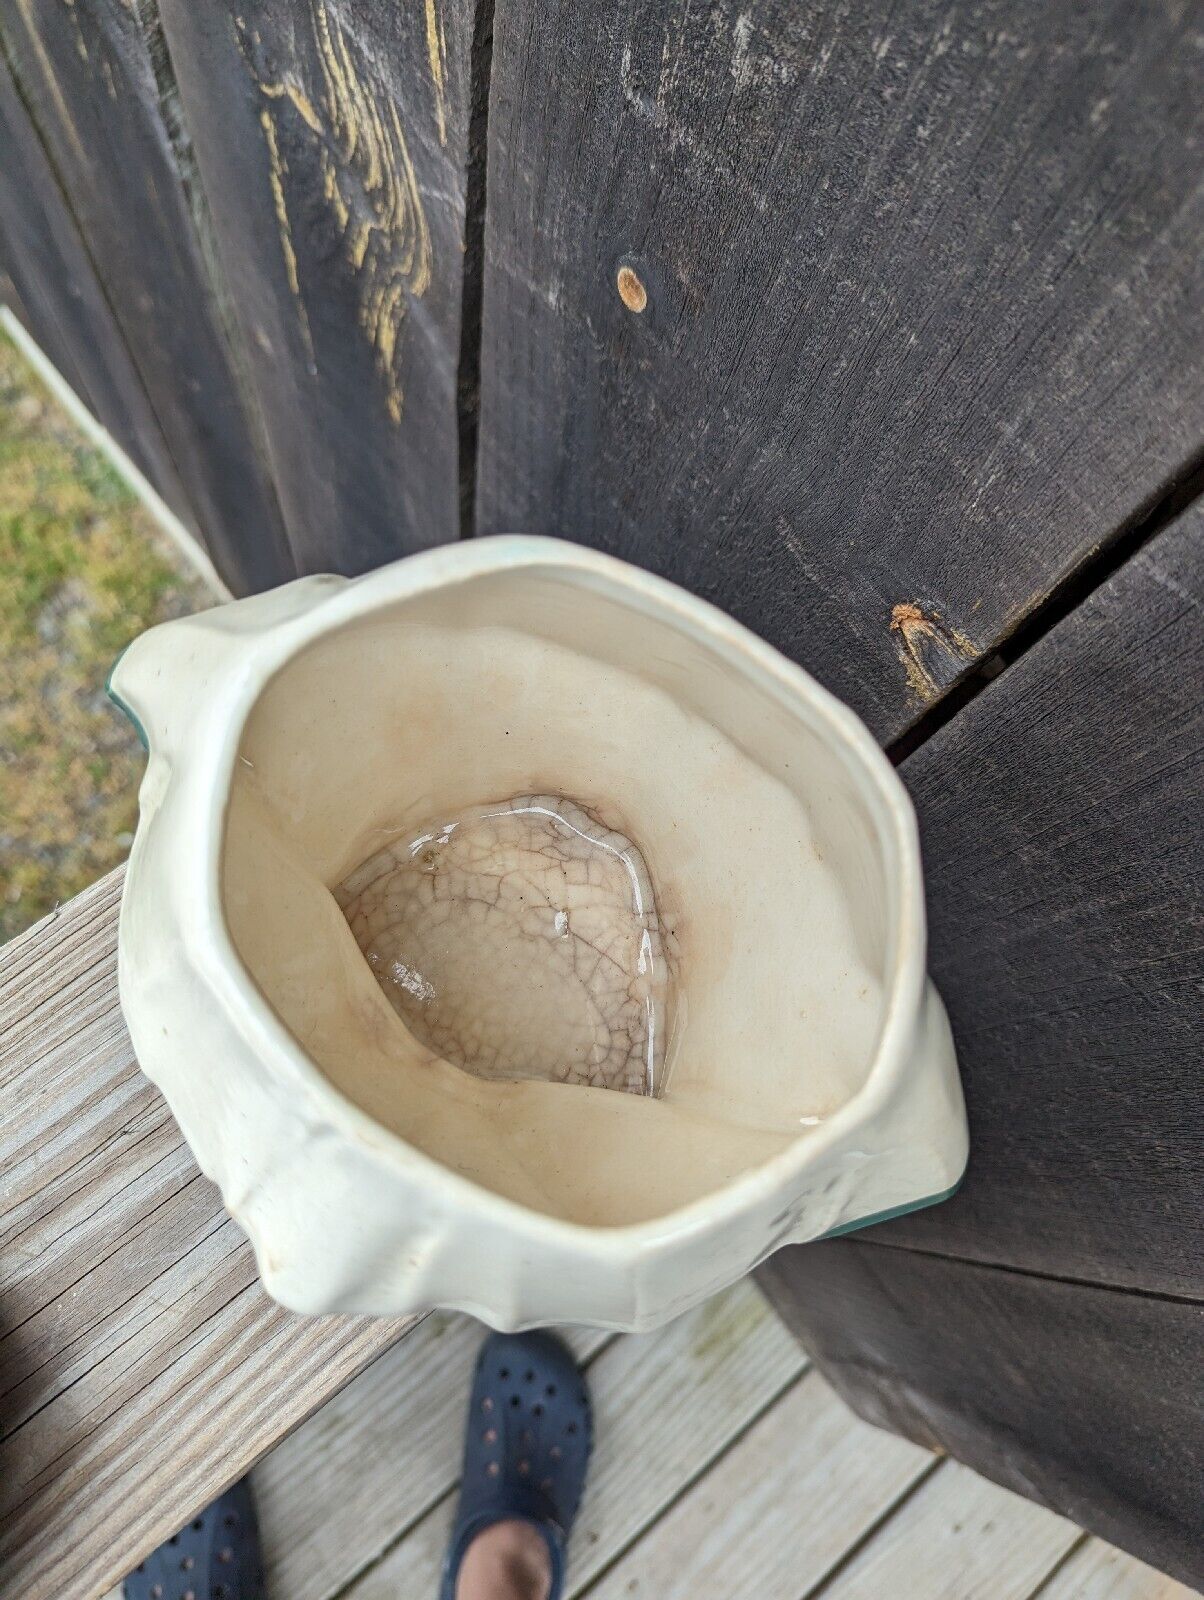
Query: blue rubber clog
215, 1557
526, 1449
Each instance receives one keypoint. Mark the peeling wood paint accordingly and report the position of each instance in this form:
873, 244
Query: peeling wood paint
367, 183
435, 49
276, 175
296, 98
932, 651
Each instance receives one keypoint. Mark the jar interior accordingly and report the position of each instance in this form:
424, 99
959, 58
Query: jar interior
759, 842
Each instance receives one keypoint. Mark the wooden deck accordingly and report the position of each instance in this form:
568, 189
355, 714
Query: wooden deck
725, 1470
142, 1368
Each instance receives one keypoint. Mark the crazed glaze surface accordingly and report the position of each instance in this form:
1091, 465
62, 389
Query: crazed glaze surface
520, 939
304, 740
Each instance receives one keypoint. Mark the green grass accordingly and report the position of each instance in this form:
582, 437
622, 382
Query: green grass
83, 570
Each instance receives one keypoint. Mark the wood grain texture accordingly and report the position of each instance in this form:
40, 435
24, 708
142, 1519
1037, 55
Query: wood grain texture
958, 1538
1097, 1572
919, 282
141, 1366
62, 304
100, 100
1086, 1400
1060, 815
331, 136
787, 1502
666, 1406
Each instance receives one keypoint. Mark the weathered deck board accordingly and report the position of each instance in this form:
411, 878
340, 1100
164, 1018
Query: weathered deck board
98, 88
777, 1502
332, 140
774, 1516
1087, 1400
141, 1365
666, 1404
339, 1491
958, 1538
919, 285
732, 1357
1097, 1572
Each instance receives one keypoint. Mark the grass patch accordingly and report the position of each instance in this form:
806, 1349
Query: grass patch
83, 570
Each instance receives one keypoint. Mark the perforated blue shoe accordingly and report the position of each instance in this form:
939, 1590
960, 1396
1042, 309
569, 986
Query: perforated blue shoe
526, 1449
215, 1557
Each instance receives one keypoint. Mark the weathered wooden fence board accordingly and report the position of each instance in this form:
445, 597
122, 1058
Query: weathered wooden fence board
1060, 813
1085, 1399
142, 1367
86, 73
1061, 818
332, 139
62, 303
920, 283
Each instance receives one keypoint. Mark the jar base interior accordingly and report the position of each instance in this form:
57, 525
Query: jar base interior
520, 939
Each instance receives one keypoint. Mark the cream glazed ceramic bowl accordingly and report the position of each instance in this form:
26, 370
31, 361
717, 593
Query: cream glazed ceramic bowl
806, 1071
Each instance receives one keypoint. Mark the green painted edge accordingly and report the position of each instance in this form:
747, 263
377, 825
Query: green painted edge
122, 707
876, 1217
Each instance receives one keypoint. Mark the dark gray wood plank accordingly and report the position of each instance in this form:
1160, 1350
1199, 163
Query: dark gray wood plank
1087, 1400
1060, 815
142, 1367
63, 305
331, 138
1060, 818
920, 286
50, 341
101, 99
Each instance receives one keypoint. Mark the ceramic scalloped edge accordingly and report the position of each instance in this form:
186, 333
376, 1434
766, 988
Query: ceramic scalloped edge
316, 1183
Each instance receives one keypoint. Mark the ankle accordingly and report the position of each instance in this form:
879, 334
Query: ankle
506, 1561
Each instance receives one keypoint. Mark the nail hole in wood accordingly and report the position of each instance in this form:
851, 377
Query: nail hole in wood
631, 290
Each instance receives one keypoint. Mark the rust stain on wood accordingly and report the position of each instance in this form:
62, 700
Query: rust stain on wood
932, 651
366, 182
